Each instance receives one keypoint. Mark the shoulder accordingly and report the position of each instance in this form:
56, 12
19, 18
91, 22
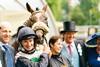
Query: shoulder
21, 54
64, 44
80, 42
22, 61
11, 49
91, 50
9, 46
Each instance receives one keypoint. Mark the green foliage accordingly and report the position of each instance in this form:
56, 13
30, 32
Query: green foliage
86, 13
56, 8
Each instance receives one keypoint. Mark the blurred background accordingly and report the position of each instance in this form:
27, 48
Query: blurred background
85, 13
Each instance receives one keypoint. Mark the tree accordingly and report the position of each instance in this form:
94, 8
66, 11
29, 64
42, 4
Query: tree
86, 13
55, 6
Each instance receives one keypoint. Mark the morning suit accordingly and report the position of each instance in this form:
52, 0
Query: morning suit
6, 55
81, 52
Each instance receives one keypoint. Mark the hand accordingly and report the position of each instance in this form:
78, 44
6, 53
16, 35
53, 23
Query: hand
46, 49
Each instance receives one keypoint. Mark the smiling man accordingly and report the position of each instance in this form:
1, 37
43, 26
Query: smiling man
6, 51
73, 49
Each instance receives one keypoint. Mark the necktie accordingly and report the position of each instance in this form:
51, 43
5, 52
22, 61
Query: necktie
69, 48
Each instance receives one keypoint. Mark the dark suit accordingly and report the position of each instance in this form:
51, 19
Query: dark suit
93, 58
7, 55
2, 64
82, 56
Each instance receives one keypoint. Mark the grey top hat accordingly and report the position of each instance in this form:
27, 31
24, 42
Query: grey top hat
69, 26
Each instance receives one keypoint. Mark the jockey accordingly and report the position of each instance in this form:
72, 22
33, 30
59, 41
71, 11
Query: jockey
28, 55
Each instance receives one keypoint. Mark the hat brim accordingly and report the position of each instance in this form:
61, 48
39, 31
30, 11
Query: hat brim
31, 36
91, 42
93, 38
67, 31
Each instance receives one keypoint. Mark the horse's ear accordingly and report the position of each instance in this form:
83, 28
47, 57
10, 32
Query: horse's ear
29, 8
44, 8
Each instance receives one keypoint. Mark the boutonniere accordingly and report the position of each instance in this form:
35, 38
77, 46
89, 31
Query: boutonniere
79, 49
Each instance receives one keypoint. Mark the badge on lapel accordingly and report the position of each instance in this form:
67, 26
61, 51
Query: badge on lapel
79, 49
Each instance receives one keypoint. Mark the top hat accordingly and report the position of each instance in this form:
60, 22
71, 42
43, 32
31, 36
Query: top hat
92, 39
69, 26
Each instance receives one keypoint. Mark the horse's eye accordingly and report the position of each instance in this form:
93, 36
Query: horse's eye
46, 18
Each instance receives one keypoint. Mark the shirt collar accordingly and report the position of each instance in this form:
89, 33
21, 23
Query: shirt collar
66, 44
1, 43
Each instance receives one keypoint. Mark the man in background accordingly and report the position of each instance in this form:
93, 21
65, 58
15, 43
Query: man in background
7, 52
73, 49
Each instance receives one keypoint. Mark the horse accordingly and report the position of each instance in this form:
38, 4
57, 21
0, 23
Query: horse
36, 15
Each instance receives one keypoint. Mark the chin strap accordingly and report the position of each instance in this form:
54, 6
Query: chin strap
28, 52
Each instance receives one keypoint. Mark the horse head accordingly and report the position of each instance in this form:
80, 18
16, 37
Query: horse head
36, 15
